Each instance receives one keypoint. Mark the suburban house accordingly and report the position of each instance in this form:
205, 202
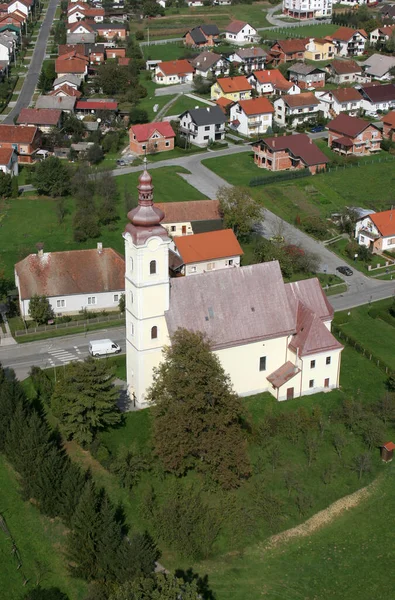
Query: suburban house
186, 218
65, 103
272, 82
224, 104
233, 88
70, 80
377, 231
319, 49
306, 76
24, 140
213, 250
349, 42
174, 71
295, 109
12, 22
388, 11
110, 31
378, 97
389, 125
95, 106
79, 14
9, 161
72, 64
287, 50
351, 135
45, 118
201, 36
344, 71
22, 6
66, 90
72, 280
298, 9
289, 152
381, 34
209, 64
283, 331
378, 66
80, 28
113, 53
203, 125
249, 59
252, 117
239, 32
333, 102
151, 137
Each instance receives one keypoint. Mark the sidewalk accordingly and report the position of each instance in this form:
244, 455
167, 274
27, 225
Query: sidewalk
6, 339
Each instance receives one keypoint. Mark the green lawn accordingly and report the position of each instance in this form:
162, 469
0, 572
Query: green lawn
339, 248
184, 103
151, 100
176, 153
299, 31
171, 51
28, 219
39, 541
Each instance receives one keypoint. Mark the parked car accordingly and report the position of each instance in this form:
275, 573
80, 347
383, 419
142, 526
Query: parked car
121, 162
103, 348
345, 270
317, 128
371, 114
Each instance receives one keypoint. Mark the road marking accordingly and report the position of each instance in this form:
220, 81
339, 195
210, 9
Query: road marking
77, 350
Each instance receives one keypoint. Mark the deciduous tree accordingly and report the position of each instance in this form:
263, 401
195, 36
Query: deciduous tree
238, 209
40, 309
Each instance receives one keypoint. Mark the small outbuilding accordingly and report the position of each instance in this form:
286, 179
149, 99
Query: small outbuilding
387, 451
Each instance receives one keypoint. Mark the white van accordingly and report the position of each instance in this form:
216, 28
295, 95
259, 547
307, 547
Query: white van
103, 347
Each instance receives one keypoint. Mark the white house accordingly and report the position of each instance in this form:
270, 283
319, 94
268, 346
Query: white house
378, 66
239, 32
194, 216
378, 97
249, 59
23, 7
333, 102
171, 72
381, 34
271, 82
344, 71
296, 109
72, 281
377, 231
203, 125
8, 161
68, 79
268, 335
307, 9
209, 64
252, 117
349, 42
209, 251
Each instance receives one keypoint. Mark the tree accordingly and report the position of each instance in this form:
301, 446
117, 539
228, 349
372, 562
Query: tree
6, 187
42, 384
61, 209
40, 309
362, 463
40, 593
266, 251
138, 115
12, 399
238, 209
197, 415
201, 85
128, 466
121, 303
112, 79
84, 400
52, 177
373, 432
339, 442
94, 154
159, 586
108, 191
311, 447
72, 486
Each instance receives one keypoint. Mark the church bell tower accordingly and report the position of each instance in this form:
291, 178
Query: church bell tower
147, 290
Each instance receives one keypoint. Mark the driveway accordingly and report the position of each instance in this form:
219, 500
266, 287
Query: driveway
31, 79
167, 90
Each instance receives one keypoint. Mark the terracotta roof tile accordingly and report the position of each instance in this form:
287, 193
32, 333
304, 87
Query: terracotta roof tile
212, 245
344, 34
196, 210
292, 45
273, 76
176, 67
144, 132
234, 84
5, 155
235, 26
300, 145
389, 446
67, 48
98, 105
380, 93
283, 374
17, 134
389, 119
348, 126
256, 106
343, 67
346, 95
384, 221
67, 90
39, 116
304, 99
312, 336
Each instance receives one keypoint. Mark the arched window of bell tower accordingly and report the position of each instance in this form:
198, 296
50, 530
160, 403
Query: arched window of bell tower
152, 267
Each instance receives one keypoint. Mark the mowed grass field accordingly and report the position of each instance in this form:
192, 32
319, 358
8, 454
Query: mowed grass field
301, 31
40, 542
31, 219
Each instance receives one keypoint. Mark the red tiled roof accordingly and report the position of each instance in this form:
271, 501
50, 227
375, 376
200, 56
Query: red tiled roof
300, 145
17, 134
283, 374
5, 155
256, 106
342, 67
223, 103
75, 26
196, 210
384, 221
94, 12
344, 34
235, 26
66, 89
176, 67
348, 126
387, 30
13, 17
273, 76
344, 141
296, 100
346, 94
123, 61
71, 64
92, 105
292, 45
144, 132
68, 48
312, 336
380, 93
389, 119
39, 116
208, 246
233, 84
389, 446
71, 272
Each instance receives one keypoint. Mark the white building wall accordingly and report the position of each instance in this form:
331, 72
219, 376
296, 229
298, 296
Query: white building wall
244, 36
18, 6
320, 8
72, 304
251, 125
172, 79
320, 372
214, 265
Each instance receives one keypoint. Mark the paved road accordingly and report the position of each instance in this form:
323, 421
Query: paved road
31, 79
170, 90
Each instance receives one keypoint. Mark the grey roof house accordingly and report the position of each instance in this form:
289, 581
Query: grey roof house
210, 62
202, 35
306, 76
203, 125
378, 66
65, 103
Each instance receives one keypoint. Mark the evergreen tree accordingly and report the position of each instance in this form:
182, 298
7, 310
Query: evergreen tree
40, 309
11, 396
47, 485
14, 435
42, 384
72, 486
144, 552
52, 177
197, 415
40, 593
159, 586
84, 400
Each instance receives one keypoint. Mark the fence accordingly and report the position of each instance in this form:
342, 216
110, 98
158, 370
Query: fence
288, 175
360, 163
69, 324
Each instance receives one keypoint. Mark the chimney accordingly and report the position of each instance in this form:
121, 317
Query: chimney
274, 143
310, 140
268, 73
99, 247
40, 249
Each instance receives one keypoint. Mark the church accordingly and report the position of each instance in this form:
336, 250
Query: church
270, 336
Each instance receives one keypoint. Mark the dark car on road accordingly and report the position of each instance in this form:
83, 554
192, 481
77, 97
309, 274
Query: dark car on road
317, 128
345, 270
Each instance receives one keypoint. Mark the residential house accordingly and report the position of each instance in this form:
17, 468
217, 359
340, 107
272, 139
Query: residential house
224, 104
377, 231
151, 137
378, 66
24, 140
289, 152
349, 42
66, 90
22, 6
389, 125
72, 64
239, 32
12, 22
72, 281
307, 76
388, 12
9, 162
319, 49
249, 59
68, 48
299, 9
334, 102
81, 38
252, 117
203, 125
204, 252
381, 34
272, 82
233, 88
293, 110
110, 31
239, 309
171, 72
344, 71
115, 52
45, 118
208, 64
186, 218
202, 36
124, 61
351, 135
378, 97
80, 28
64, 103
76, 14
70, 80
95, 106
287, 50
